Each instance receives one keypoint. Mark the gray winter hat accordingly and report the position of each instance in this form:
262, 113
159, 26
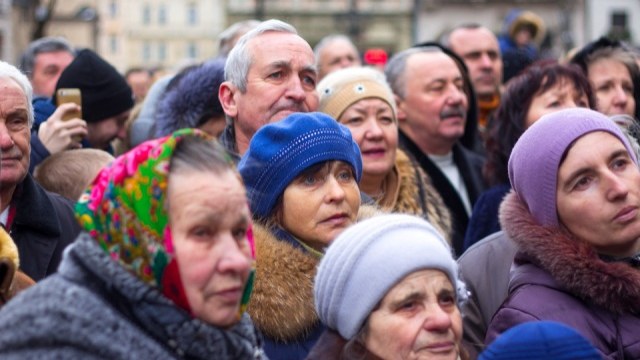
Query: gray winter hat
368, 259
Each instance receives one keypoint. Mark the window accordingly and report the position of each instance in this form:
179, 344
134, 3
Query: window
146, 14
162, 51
162, 15
113, 44
192, 14
113, 9
146, 51
192, 50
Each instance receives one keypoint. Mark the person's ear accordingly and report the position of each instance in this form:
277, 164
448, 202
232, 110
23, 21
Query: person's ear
227, 96
400, 104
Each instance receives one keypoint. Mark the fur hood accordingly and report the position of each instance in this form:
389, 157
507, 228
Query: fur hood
573, 264
415, 188
282, 305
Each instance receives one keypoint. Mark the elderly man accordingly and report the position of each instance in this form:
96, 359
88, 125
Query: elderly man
269, 74
335, 52
433, 95
43, 62
42, 224
478, 47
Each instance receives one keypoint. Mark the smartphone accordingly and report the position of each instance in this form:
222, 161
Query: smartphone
64, 96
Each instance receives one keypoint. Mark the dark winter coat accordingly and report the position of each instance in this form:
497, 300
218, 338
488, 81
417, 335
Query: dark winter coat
484, 268
93, 308
470, 166
558, 277
43, 226
484, 217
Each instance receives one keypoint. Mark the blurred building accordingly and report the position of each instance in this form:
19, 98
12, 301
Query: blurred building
169, 33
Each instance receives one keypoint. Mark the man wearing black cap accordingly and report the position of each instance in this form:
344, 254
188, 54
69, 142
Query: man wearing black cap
106, 101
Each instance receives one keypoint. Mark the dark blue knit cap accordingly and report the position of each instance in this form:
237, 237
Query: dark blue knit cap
540, 340
280, 151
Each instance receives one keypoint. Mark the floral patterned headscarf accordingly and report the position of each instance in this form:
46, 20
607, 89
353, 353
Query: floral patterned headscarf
124, 211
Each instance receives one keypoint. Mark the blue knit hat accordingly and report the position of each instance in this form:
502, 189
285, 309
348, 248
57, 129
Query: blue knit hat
535, 158
280, 151
540, 340
368, 259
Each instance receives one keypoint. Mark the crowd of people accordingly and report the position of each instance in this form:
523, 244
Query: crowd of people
288, 202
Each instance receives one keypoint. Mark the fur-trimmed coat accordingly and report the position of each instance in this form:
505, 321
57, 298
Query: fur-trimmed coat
417, 196
282, 305
558, 277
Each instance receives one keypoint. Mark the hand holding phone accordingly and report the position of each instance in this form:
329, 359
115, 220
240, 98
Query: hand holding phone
64, 96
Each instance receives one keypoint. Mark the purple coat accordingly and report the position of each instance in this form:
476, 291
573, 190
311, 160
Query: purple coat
558, 277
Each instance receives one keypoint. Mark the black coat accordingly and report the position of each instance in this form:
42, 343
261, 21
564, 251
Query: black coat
43, 226
470, 166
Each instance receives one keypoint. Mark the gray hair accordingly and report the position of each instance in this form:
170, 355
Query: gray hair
43, 45
8, 71
200, 154
445, 39
232, 32
620, 54
395, 69
239, 61
328, 40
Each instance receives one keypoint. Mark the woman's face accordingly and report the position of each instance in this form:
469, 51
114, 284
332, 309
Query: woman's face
372, 126
209, 218
318, 205
612, 86
417, 319
598, 194
562, 95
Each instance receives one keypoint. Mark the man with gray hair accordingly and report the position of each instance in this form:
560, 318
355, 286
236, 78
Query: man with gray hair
43, 62
230, 36
335, 52
42, 224
269, 74
434, 96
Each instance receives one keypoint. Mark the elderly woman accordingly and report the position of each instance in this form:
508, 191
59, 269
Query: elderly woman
163, 270
302, 178
574, 215
391, 301
360, 99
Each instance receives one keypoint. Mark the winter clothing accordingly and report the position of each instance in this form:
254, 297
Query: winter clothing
533, 173
484, 268
413, 193
124, 210
541, 340
470, 166
343, 88
364, 262
94, 308
514, 21
192, 100
43, 226
582, 57
105, 93
143, 127
560, 278
484, 217
280, 151
12, 280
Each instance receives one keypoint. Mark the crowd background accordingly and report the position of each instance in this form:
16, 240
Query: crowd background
289, 202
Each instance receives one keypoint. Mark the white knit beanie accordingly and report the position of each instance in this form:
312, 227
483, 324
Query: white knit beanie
371, 257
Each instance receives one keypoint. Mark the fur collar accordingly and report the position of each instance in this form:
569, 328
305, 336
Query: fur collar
414, 183
573, 264
282, 304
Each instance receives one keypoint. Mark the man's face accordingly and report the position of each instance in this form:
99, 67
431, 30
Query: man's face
433, 111
139, 81
281, 80
46, 71
339, 54
14, 134
101, 133
480, 51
